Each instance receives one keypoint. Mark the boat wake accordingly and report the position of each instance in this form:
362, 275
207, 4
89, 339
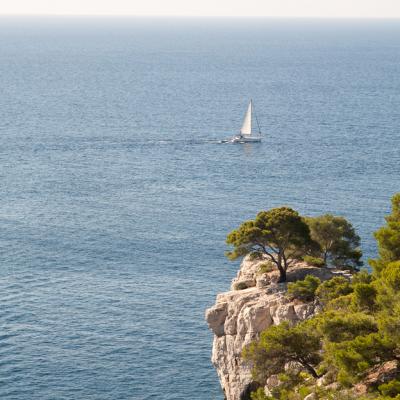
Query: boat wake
172, 142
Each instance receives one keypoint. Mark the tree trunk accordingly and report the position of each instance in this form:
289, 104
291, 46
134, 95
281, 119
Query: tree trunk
282, 270
282, 275
312, 371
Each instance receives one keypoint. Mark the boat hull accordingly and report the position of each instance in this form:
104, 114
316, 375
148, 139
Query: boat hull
242, 139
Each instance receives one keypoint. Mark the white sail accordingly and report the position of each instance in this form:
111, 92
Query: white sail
246, 127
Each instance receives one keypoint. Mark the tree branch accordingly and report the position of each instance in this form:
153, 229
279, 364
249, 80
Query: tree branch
309, 368
269, 254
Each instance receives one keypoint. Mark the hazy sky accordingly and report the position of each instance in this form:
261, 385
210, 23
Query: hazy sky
293, 8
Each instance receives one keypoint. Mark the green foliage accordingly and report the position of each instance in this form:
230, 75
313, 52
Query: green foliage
389, 324
255, 255
314, 261
337, 239
281, 344
280, 234
265, 267
240, 286
388, 238
305, 289
391, 276
353, 357
388, 300
391, 389
341, 303
362, 277
285, 390
338, 326
364, 297
259, 394
333, 288
358, 328
304, 391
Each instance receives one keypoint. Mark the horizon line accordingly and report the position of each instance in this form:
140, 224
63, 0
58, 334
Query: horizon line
345, 17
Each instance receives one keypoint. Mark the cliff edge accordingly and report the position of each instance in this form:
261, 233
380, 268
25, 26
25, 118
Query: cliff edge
255, 302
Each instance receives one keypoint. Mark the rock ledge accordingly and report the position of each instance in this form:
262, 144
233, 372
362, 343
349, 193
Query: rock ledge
239, 316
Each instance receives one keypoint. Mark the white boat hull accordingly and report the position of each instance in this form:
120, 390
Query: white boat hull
246, 139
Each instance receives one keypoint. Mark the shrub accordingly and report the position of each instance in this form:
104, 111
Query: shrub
333, 288
353, 357
342, 303
388, 238
265, 268
314, 261
389, 324
362, 277
240, 286
255, 255
305, 289
339, 326
304, 391
259, 394
390, 389
391, 275
287, 384
364, 296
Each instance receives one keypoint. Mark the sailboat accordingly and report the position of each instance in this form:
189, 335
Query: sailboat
246, 135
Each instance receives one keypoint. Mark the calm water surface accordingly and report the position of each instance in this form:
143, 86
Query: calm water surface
116, 199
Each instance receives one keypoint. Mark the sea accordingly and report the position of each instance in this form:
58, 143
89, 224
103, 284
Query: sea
116, 196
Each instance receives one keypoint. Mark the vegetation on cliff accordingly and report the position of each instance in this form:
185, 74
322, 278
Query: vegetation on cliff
280, 234
351, 350
337, 240
283, 236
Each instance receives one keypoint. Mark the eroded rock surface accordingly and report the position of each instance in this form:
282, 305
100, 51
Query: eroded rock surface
377, 375
239, 316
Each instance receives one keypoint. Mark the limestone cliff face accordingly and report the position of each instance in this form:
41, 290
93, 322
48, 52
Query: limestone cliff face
239, 316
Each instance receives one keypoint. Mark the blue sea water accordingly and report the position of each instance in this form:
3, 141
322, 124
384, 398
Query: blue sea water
115, 198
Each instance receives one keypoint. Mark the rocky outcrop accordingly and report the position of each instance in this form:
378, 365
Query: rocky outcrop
239, 316
377, 375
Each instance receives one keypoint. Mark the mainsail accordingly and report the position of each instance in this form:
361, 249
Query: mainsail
246, 127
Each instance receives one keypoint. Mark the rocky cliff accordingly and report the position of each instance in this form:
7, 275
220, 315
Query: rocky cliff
255, 302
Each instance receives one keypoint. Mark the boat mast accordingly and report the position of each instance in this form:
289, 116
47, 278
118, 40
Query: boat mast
255, 115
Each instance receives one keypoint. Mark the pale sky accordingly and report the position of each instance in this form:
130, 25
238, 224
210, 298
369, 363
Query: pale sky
284, 8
